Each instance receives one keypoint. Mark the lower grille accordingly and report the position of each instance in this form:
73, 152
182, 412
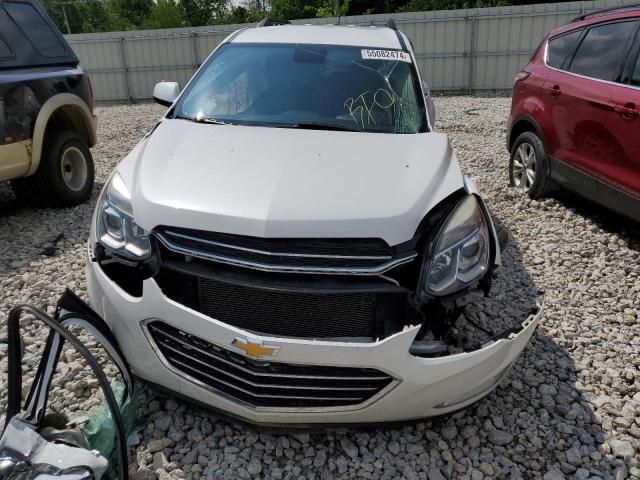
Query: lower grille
265, 384
290, 313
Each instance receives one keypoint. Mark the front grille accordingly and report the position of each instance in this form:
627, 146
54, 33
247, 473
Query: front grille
330, 256
261, 383
291, 313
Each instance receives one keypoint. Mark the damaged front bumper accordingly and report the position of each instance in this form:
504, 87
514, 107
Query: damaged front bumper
296, 381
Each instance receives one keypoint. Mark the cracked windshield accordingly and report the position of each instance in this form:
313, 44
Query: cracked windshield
308, 86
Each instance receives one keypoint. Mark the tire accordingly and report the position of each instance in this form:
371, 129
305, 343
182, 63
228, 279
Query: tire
65, 175
529, 166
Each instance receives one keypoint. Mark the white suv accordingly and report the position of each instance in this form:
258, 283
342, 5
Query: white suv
293, 243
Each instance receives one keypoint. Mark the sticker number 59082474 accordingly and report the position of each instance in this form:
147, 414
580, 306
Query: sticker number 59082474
393, 55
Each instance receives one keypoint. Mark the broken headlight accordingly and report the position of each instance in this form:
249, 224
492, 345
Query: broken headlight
116, 229
459, 255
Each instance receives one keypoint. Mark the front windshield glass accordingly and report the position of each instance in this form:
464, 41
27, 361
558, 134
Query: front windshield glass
308, 86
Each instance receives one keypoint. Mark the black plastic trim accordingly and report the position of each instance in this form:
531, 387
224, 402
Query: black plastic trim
271, 22
595, 189
595, 13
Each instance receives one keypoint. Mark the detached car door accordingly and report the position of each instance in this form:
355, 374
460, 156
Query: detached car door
588, 143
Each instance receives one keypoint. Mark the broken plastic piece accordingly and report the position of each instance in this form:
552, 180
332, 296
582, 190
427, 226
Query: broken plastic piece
32, 452
26, 454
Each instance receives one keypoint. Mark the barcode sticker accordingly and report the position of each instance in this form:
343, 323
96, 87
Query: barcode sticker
393, 55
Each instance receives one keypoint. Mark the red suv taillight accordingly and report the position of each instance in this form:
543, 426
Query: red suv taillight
523, 75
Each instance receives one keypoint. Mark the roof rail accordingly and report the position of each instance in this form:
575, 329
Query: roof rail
270, 22
604, 11
391, 23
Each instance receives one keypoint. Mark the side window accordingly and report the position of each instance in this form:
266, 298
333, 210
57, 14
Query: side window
599, 54
5, 51
560, 47
36, 29
635, 75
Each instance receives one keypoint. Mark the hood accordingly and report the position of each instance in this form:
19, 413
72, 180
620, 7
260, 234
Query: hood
278, 182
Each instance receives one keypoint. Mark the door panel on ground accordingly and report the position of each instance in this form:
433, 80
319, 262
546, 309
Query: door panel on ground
623, 120
580, 100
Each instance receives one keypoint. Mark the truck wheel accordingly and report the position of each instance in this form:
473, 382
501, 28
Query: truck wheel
65, 175
528, 166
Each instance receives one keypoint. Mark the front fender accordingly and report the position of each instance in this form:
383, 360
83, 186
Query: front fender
62, 100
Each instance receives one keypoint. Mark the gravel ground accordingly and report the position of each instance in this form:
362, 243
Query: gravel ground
570, 408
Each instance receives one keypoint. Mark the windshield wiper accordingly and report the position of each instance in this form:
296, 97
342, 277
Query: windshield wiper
213, 121
321, 126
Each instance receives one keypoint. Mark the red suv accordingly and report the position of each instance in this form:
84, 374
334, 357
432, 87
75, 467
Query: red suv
575, 113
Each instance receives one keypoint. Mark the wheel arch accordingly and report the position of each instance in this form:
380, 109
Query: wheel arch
524, 123
62, 110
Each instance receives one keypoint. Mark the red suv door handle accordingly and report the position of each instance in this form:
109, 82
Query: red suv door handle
555, 91
628, 111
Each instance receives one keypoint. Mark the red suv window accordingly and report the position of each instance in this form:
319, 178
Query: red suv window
635, 74
560, 47
596, 56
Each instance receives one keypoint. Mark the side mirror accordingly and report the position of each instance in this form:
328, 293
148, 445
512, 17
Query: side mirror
425, 89
165, 93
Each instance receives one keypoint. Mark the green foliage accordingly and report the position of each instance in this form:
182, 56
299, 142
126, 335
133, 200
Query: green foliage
114, 15
135, 11
248, 12
334, 10
368, 7
204, 12
165, 14
424, 5
81, 15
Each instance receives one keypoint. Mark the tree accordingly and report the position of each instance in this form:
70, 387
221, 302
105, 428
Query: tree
369, 7
132, 12
249, 11
334, 9
93, 16
204, 12
165, 14
420, 5
78, 16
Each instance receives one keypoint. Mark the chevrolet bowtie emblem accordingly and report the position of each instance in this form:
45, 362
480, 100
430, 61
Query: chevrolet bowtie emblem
255, 349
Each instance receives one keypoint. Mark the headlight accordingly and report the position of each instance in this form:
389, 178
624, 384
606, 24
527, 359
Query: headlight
115, 228
461, 253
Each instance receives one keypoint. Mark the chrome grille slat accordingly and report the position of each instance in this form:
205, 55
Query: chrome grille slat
288, 397
263, 383
195, 244
266, 385
274, 254
246, 370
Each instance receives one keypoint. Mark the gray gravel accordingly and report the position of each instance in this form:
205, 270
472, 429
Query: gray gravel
570, 408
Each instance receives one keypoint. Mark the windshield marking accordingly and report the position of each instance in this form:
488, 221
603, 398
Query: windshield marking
358, 106
241, 88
